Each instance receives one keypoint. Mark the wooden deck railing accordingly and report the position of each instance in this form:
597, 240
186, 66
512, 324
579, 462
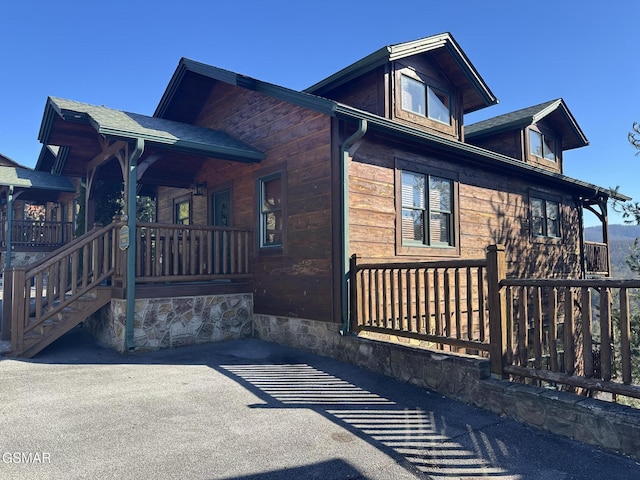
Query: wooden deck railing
563, 332
557, 332
34, 233
168, 252
443, 302
596, 258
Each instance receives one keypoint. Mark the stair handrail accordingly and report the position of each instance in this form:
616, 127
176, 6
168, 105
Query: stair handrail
56, 297
83, 239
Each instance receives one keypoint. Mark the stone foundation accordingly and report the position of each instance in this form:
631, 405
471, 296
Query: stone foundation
22, 259
466, 378
175, 321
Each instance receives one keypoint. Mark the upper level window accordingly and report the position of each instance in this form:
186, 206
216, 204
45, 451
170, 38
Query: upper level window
542, 146
427, 210
270, 220
425, 100
545, 217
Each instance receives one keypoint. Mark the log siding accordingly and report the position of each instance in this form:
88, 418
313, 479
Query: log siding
492, 209
296, 280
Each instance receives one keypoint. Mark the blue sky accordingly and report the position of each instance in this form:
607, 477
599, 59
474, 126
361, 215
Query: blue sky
121, 54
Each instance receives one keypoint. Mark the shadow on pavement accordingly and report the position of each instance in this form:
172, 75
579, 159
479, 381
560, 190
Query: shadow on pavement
429, 435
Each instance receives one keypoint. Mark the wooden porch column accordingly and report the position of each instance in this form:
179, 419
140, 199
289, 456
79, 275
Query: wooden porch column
131, 180
496, 272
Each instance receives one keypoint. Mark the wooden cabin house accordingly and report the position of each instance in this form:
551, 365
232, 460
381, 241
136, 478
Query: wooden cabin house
264, 193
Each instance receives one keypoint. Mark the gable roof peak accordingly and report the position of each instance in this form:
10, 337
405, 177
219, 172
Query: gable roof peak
554, 111
445, 51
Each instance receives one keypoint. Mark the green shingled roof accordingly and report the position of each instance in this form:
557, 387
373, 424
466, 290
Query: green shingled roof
175, 135
25, 178
573, 136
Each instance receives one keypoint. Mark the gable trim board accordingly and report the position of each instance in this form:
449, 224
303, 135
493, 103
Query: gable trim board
390, 53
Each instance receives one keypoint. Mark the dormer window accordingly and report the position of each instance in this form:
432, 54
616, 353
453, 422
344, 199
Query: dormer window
542, 145
425, 100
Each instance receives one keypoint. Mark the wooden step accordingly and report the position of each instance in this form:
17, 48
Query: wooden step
70, 316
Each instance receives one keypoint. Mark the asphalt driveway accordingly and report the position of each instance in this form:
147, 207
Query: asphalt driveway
255, 410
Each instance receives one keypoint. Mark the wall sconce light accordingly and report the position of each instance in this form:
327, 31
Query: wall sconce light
199, 189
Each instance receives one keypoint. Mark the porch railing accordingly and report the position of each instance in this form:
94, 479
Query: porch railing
574, 333
596, 258
168, 252
35, 233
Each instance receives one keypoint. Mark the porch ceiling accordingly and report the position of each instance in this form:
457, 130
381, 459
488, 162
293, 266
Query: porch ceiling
178, 149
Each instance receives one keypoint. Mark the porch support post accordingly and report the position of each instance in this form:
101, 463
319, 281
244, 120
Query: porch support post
496, 272
132, 184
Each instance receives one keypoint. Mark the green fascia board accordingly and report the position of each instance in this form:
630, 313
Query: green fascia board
475, 154
364, 65
301, 99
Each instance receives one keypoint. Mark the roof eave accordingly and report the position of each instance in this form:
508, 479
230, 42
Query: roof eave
371, 61
36, 180
302, 99
475, 153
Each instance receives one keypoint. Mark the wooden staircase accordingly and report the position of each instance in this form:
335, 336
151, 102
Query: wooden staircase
45, 333
49, 298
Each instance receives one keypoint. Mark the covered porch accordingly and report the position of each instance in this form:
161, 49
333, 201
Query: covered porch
127, 261
34, 207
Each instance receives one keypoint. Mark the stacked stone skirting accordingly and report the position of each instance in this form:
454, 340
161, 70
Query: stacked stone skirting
22, 259
607, 425
175, 321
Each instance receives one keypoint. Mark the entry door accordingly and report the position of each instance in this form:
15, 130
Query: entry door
221, 208
221, 217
